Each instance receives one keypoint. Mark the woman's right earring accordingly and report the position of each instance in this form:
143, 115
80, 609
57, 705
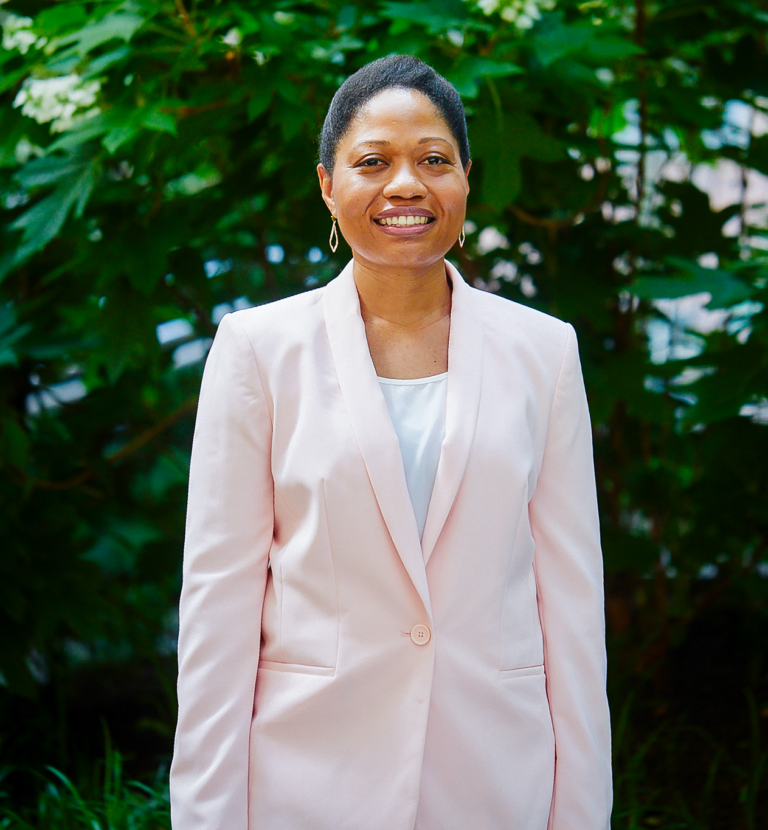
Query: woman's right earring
334, 238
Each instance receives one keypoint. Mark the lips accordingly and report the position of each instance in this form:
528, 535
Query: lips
403, 221
404, 218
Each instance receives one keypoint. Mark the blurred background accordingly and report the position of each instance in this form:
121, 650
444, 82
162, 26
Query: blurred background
157, 170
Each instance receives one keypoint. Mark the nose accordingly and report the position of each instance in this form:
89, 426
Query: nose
404, 183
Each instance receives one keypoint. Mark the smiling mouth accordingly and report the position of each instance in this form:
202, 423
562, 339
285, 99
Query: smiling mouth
404, 221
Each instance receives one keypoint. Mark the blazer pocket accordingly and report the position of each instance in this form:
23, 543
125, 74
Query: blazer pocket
521, 642
297, 668
525, 671
300, 620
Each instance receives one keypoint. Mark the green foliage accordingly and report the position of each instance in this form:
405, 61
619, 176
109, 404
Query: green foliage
106, 803
670, 774
154, 153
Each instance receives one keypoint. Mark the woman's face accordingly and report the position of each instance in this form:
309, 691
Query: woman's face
398, 190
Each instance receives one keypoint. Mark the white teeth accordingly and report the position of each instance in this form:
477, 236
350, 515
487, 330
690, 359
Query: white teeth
404, 221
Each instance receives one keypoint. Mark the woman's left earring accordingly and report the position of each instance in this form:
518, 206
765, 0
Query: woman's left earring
462, 237
334, 239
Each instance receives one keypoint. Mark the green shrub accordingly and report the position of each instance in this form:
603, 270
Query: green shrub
108, 803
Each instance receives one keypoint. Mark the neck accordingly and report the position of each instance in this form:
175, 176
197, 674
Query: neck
409, 299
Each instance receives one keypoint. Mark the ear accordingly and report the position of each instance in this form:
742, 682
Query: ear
326, 188
466, 173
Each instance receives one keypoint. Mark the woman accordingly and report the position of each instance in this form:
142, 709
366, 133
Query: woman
391, 615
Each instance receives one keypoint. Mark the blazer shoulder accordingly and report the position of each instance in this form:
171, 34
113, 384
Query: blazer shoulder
508, 319
280, 319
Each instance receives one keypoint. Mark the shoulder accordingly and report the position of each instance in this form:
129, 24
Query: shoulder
522, 342
508, 311
521, 327
279, 312
285, 315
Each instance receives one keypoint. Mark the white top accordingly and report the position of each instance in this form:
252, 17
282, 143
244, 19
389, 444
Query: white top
417, 409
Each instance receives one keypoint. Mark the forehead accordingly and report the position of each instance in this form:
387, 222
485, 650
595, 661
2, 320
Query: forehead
397, 113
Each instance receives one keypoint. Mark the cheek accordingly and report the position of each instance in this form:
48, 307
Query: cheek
356, 203
456, 203
345, 194
352, 207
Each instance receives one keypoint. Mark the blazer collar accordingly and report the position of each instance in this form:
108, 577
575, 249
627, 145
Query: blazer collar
465, 363
373, 427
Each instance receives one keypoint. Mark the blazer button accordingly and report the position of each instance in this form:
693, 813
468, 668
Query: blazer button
421, 635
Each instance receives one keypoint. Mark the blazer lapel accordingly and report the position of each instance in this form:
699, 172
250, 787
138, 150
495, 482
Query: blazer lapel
465, 363
372, 424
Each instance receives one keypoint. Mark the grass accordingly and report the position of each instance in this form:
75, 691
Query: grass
106, 803
679, 777
668, 775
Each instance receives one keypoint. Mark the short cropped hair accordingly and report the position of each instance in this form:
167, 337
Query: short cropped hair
392, 72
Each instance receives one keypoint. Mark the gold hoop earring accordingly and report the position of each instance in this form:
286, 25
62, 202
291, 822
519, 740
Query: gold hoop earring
462, 237
333, 241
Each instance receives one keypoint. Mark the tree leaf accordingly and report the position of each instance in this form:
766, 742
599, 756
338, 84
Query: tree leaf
502, 145
434, 15
43, 221
554, 40
469, 72
121, 24
725, 288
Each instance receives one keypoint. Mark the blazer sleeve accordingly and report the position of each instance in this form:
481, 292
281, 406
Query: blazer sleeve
228, 537
569, 577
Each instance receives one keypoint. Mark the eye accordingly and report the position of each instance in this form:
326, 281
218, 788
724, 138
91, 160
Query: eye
371, 162
433, 161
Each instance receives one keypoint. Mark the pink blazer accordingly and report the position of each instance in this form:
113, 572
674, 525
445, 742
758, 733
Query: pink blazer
337, 673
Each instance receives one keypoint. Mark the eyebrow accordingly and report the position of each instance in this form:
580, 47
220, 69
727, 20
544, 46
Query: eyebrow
382, 143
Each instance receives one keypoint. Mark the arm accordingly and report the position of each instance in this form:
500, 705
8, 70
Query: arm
228, 537
569, 577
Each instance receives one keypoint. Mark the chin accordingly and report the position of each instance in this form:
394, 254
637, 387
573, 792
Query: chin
405, 258
403, 252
